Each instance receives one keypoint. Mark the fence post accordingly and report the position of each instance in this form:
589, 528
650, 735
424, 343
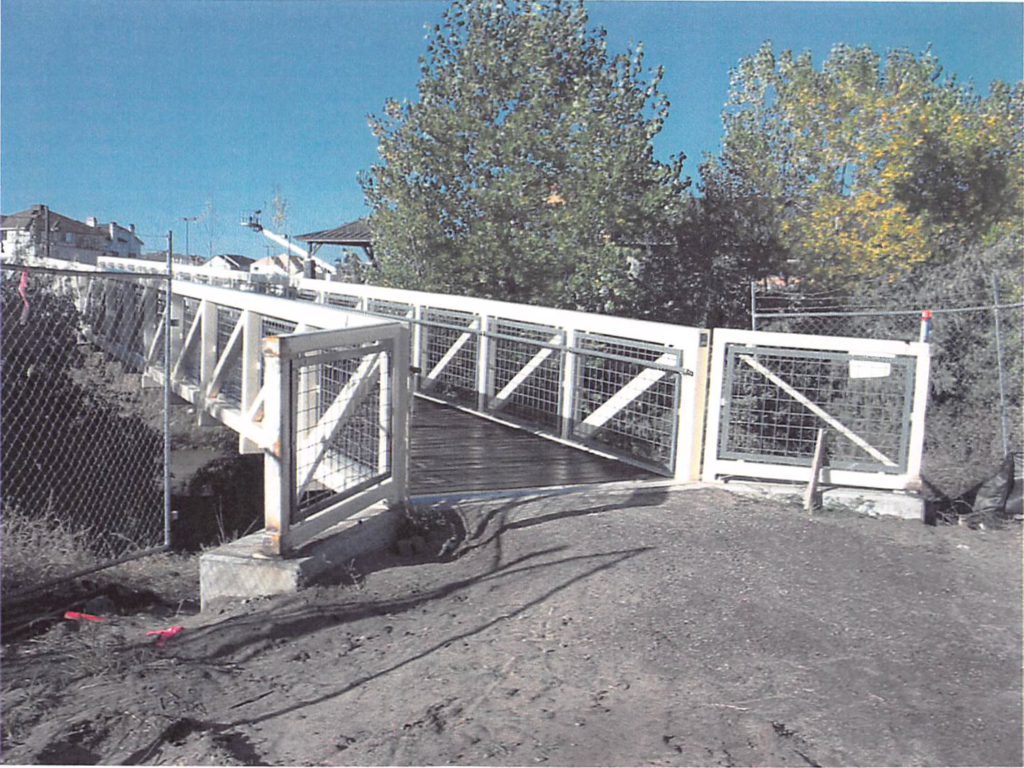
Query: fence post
168, 325
568, 384
999, 357
692, 406
484, 357
753, 305
277, 460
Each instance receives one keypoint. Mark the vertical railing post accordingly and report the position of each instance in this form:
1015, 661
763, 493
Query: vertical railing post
416, 360
178, 331
277, 459
252, 328
401, 402
385, 404
689, 436
567, 401
484, 364
753, 305
151, 324
207, 358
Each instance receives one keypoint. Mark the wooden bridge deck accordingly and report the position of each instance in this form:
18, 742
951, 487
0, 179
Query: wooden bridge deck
451, 450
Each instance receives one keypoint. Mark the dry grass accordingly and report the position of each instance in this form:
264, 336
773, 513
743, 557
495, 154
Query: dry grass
37, 548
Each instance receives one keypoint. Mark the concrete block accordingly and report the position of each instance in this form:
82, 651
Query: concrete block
238, 569
865, 501
908, 506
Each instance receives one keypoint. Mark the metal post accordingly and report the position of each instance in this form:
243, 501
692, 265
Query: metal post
167, 394
484, 383
1002, 374
753, 305
926, 325
567, 401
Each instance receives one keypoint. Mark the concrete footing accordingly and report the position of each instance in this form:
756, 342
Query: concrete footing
909, 506
239, 570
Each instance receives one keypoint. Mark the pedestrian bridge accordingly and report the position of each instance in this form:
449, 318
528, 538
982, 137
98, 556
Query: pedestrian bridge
357, 394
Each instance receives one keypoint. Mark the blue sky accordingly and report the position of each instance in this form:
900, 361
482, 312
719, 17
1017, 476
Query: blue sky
142, 111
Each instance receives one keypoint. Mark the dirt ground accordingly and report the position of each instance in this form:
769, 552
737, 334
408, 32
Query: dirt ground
654, 627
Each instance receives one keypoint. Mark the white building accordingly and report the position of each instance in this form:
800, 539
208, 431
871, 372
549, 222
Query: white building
229, 262
39, 233
288, 264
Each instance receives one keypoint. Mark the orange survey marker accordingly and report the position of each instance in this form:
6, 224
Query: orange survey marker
76, 616
165, 634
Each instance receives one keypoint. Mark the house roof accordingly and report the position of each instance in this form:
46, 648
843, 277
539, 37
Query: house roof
35, 218
290, 263
234, 259
354, 233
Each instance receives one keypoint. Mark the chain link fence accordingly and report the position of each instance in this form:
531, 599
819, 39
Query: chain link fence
974, 413
83, 447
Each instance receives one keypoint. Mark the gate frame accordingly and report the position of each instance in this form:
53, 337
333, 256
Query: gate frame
714, 467
283, 356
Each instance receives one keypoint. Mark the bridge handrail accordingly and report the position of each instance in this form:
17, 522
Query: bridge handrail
288, 394
648, 412
321, 316
612, 325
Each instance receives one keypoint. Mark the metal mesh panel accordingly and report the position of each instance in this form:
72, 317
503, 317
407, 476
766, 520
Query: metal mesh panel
767, 417
532, 368
272, 327
626, 400
342, 428
973, 418
231, 386
450, 354
82, 448
389, 308
342, 300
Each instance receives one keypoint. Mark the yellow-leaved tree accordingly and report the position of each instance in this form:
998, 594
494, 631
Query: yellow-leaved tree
869, 166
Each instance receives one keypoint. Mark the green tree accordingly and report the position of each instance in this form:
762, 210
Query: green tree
525, 170
867, 167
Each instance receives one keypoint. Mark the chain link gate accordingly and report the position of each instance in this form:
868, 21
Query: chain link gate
83, 446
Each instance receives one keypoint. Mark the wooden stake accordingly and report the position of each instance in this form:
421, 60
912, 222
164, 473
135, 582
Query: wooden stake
812, 499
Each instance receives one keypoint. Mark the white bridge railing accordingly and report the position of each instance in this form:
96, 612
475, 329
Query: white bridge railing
627, 388
322, 393
636, 390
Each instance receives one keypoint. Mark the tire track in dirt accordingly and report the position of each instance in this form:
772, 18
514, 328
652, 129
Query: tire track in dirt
685, 628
